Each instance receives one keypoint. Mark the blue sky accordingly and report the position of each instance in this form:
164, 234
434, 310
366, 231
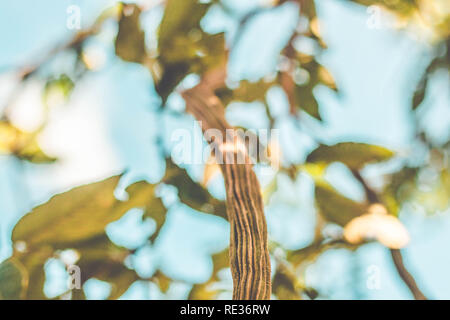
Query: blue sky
110, 125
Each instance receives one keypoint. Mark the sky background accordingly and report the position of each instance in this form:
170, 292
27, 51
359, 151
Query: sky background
110, 125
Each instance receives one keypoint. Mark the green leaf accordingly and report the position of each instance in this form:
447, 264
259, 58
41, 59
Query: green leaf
180, 18
130, 41
13, 280
60, 87
34, 262
303, 93
183, 46
162, 281
101, 259
419, 94
334, 207
156, 210
192, 193
76, 220
306, 101
354, 155
285, 284
80, 213
318, 75
246, 92
400, 187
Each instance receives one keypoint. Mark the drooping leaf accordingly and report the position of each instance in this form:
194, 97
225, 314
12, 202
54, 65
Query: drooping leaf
101, 259
192, 193
354, 155
305, 100
130, 41
13, 280
334, 207
80, 213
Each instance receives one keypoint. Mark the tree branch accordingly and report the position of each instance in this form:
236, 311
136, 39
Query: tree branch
396, 254
407, 277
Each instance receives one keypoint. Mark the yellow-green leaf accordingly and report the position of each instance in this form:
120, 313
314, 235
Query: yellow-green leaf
130, 41
192, 193
13, 280
58, 89
305, 100
183, 46
180, 18
334, 207
101, 259
246, 92
285, 284
80, 213
156, 210
354, 155
162, 281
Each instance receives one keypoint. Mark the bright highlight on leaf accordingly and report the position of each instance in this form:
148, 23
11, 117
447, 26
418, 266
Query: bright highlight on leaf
377, 224
21, 144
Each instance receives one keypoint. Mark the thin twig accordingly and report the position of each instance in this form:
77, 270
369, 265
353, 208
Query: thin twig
407, 277
396, 254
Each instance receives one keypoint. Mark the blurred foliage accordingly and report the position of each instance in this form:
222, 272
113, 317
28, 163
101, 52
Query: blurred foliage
192, 193
353, 155
335, 207
23, 145
130, 41
204, 291
75, 220
14, 280
50, 223
183, 46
